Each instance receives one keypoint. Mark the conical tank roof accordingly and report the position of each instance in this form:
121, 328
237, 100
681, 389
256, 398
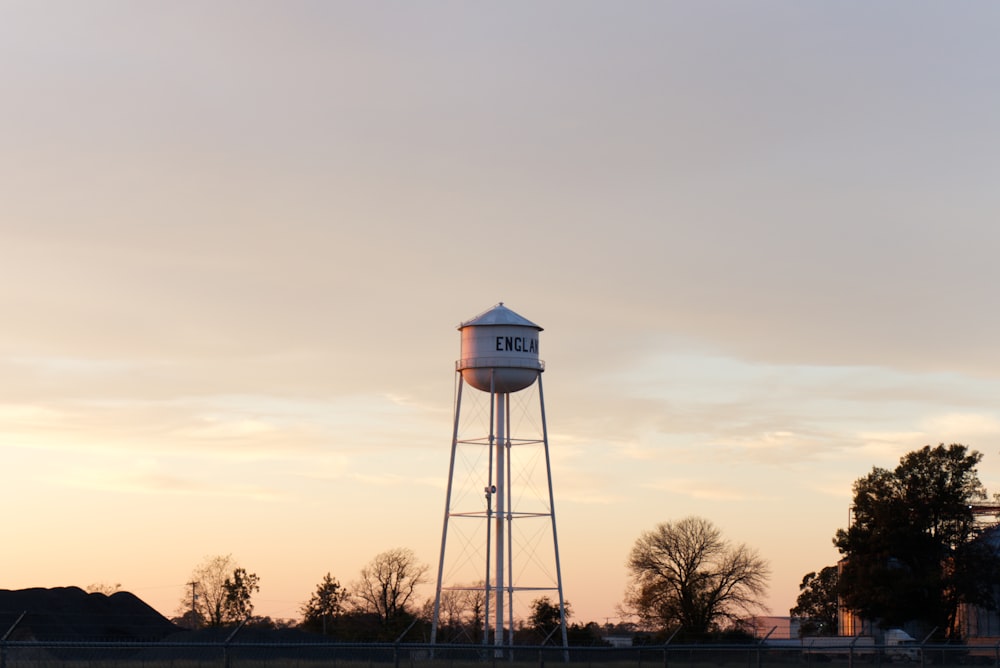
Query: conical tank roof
499, 315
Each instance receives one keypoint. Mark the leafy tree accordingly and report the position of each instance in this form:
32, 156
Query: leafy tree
817, 603
387, 585
588, 635
685, 573
911, 552
325, 605
545, 618
239, 590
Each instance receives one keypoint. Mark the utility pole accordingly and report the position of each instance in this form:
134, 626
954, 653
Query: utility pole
194, 600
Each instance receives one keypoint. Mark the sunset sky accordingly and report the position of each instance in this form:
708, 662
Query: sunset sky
236, 239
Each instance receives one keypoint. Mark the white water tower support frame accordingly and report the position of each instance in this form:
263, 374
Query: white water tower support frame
499, 376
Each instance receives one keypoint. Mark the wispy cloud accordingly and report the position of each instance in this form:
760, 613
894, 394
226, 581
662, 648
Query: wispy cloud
201, 265
703, 489
164, 483
963, 425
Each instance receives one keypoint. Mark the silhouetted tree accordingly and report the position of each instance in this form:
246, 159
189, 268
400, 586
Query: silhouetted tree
325, 605
189, 619
685, 573
266, 623
545, 620
205, 596
240, 588
912, 552
219, 592
816, 605
587, 635
461, 613
103, 588
387, 585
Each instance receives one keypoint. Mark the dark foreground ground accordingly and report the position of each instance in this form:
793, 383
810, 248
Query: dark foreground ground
69, 628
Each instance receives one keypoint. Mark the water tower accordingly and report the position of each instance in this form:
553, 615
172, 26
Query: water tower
499, 507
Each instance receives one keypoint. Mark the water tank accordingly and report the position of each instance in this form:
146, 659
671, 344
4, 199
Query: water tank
502, 347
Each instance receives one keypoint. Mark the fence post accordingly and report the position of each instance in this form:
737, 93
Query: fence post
225, 645
924, 642
666, 651
760, 643
3, 639
395, 645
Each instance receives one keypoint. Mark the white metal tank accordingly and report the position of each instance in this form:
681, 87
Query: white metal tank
502, 347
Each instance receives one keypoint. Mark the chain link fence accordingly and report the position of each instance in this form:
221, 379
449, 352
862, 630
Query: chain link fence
42, 654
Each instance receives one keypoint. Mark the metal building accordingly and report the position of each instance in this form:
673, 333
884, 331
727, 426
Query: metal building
499, 546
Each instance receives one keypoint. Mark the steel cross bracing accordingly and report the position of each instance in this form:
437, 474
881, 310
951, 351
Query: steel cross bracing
495, 575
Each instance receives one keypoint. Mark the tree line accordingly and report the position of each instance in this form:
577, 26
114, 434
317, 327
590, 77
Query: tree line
914, 553
379, 606
220, 593
922, 548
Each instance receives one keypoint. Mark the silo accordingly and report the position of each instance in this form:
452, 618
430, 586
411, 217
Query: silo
499, 356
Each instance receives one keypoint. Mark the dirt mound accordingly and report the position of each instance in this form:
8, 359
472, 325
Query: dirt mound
71, 614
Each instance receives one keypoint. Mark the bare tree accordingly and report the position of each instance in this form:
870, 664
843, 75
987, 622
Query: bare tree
475, 604
103, 588
461, 612
685, 573
452, 608
219, 592
388, 583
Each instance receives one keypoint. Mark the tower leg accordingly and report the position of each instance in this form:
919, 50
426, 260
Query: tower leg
552, 510
510, 534
447, 511
501, 496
